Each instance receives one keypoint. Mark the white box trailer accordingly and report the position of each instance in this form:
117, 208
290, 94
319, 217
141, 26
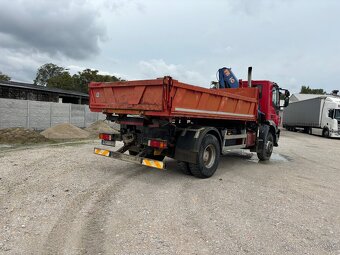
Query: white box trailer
319, 116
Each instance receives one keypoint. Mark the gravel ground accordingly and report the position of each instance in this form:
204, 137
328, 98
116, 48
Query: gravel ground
65, 200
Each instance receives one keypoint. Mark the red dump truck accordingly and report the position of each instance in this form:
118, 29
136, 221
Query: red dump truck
193, 125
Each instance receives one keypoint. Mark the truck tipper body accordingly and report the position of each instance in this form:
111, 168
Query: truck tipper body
319, 116
194, 125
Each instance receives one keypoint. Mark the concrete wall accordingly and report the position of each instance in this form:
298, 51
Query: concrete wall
41, 115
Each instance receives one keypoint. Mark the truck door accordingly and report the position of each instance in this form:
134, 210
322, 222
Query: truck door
275, 103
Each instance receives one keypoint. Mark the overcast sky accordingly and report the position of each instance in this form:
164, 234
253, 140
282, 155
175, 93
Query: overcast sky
291, 42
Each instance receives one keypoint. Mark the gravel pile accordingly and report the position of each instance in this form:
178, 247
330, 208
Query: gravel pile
21, 136
100, 126
65, 131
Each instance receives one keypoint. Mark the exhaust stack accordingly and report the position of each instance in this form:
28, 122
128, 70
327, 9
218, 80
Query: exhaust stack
250, 69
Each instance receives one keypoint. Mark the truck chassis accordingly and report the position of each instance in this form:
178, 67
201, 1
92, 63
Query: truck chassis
166, 118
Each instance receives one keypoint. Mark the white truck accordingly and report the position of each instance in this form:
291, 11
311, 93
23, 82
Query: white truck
318, 116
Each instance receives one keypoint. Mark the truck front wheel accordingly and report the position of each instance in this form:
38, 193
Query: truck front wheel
207, 158
265, 152
325, 132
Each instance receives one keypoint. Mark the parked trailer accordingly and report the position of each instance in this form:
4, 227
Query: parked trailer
319, 116
194, 125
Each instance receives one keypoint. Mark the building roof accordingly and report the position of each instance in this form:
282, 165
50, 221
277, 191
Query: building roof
41, 88
299, 97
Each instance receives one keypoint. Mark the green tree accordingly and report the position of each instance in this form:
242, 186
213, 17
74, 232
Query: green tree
83, 78
308, 90
46, 72
54, 76
4, 77
62, 81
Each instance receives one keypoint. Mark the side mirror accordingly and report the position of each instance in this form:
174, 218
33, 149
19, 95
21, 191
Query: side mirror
286, 102
286, 97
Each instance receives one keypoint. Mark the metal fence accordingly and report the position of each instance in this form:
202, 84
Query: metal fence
41, 115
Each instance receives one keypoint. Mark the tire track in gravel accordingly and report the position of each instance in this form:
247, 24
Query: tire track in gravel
194, 218
93, 237
98, 192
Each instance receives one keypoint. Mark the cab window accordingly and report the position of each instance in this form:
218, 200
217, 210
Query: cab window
331, 113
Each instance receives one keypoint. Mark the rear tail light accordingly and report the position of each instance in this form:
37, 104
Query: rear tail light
106, 137
157, 144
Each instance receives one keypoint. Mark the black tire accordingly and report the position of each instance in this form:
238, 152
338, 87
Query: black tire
325, 133
133, 153
265, 153
208, 158
183, 167
310, 131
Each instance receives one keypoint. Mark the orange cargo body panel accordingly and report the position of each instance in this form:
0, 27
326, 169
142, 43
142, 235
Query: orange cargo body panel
170, 98
146, 95
235, 104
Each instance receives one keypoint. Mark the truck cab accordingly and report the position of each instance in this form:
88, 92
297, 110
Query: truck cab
269, 103
331, 117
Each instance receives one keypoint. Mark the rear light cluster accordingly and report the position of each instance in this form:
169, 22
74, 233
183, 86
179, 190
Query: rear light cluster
106, 137
157, 144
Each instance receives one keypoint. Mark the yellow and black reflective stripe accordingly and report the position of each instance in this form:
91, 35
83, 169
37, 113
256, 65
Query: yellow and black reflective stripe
105, 153
153, 163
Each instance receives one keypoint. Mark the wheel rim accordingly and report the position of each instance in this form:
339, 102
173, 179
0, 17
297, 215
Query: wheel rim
209, 156
269, 147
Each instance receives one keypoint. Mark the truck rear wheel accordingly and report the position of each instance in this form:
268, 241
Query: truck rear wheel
267, 150
183, 167
207, 158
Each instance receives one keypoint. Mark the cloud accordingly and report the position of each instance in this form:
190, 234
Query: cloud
58, 28
20, 65
255, 8
118, 5
156, 68
293, 43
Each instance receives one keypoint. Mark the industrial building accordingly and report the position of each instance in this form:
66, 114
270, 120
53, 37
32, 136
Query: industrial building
27, 91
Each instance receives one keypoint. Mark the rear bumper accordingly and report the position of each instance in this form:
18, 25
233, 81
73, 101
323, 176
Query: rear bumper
129, 158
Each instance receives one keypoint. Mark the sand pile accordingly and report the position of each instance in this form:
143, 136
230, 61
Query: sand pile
21, 136
101, 126
65, 131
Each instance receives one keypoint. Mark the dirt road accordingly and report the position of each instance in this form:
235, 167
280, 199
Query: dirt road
65, 200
